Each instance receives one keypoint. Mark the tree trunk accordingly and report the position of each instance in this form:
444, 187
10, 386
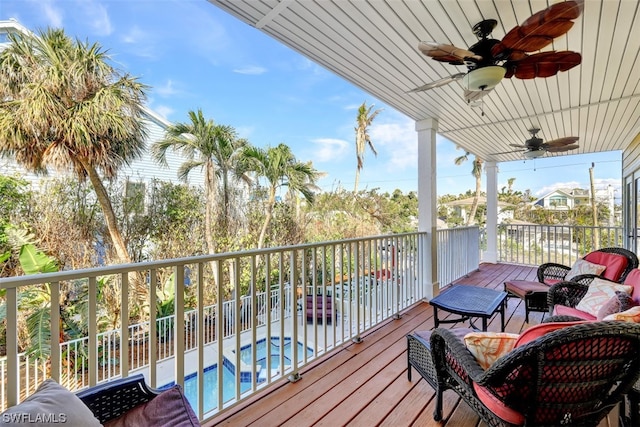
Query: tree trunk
210, 188
476, 202
109, 215
355, 187
268, 215
208, 211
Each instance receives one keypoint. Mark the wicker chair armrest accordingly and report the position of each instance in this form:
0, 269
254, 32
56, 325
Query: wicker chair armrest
552, 270
443, 343
558, 318
566, 293
584, 279
109, 400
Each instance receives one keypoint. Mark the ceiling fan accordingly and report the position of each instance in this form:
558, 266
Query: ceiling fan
534, 147
490, 60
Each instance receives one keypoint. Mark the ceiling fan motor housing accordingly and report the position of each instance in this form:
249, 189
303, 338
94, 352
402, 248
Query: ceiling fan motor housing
483, 49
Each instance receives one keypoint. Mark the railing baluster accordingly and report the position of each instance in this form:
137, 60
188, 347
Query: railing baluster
153, 329
179, 324
13, 366
124, 326
92, 319
55, 330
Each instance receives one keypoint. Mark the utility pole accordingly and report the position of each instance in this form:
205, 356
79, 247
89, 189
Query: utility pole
596, 231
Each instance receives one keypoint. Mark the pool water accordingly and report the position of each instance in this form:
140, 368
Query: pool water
276, 349
228, 372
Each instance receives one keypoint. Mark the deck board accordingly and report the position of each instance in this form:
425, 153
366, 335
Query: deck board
366, 384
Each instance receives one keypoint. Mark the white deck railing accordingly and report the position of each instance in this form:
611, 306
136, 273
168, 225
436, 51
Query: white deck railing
562, 244
458, 253
368, 281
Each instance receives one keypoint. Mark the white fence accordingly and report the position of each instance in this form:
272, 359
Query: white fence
351, 285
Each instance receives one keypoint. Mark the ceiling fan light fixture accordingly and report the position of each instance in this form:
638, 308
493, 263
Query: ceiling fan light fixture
484, 78
533, 154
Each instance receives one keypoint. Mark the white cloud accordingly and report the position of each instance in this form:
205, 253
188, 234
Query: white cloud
134, 35
398, 142
245, 131
168, 89
251, 70
163, 111
53, 14
329, 149
97, 17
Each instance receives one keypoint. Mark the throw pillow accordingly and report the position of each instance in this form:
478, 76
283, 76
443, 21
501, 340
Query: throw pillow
169, 409
541, 329
600, 291
630, 315
584, 267
487, 347
50, 405
621, 301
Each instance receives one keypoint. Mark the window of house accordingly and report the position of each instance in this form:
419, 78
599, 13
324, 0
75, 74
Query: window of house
557, 201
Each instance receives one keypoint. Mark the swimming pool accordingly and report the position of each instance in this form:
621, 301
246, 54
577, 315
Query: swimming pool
228, 372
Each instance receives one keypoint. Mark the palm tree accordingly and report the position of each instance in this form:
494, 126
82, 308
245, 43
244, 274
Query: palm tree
63, 106
363, 120
476, 171
280, 168
214, 148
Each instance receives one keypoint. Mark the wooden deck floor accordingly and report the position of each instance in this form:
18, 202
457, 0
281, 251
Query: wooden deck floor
366, 384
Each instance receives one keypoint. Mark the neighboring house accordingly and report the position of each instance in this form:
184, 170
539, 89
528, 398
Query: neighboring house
564, 199
138, 173
463, 206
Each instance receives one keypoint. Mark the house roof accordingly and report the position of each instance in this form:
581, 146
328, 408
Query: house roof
482, 200
373, 44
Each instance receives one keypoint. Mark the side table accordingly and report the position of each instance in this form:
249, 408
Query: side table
469, 301
533, 293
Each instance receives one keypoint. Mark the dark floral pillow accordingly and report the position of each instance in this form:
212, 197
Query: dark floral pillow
620, 302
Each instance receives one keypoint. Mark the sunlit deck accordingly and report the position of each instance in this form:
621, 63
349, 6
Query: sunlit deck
366, 383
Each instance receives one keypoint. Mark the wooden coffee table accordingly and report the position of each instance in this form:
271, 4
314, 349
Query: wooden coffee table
469, 301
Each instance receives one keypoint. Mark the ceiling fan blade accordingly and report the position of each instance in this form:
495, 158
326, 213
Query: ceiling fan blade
562, 149
518, 145
447, 53
539, 30
543, 64
567, 140
438, 83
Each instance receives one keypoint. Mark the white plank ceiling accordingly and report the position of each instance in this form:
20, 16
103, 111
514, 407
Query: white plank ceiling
373, 44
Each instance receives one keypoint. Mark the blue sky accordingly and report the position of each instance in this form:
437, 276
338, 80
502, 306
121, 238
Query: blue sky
195, 56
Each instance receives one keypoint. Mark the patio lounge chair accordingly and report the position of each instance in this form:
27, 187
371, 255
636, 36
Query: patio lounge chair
618, 262
320, 309
564, 298
573, 375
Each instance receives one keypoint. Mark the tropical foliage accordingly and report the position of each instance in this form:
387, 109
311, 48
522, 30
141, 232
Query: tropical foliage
63, 106
364, 119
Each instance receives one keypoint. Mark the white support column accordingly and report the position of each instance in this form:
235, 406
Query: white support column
427, 202
491, 253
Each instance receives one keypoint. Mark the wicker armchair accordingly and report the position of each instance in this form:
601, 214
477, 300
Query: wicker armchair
110, 400
571, 376
567, 295
551, 272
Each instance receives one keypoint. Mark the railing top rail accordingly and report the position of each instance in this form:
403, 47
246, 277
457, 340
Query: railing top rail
464, 227
17, 281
